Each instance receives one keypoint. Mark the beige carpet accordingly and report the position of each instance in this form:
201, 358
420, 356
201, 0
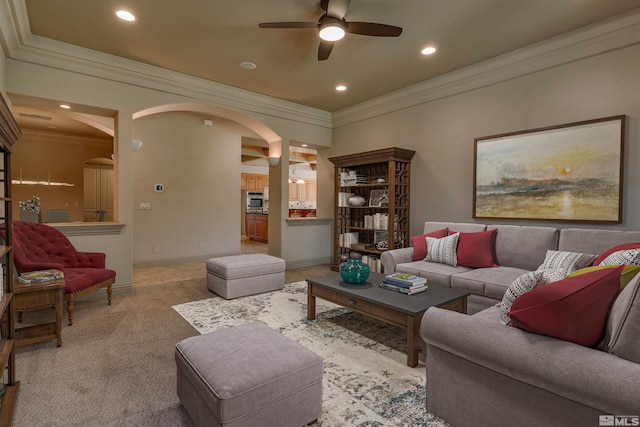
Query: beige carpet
116, 364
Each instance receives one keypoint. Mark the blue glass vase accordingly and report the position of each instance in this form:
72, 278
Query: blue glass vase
354, 271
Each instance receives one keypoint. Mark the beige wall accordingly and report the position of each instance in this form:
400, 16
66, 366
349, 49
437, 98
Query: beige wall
38, 153
442, 132
198, 214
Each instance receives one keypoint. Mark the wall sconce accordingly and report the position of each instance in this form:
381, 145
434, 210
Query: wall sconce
273, 161
137, 144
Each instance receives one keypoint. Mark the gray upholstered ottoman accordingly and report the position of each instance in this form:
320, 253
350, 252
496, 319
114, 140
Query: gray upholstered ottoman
248, 375
241, 275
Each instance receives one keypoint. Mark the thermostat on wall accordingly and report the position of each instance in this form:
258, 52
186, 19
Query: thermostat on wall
159, 188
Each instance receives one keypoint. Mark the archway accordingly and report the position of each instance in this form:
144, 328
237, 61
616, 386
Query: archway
176, 131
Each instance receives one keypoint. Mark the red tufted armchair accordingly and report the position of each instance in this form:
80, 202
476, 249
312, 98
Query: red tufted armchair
40, 247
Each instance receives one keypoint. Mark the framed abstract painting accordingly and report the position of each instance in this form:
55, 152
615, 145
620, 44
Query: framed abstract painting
569, 172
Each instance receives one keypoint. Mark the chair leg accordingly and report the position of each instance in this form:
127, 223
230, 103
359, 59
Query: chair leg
109, 293
70, 311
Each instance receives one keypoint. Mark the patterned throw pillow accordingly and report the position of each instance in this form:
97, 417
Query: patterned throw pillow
443, 250
524, 284
625, 257
420, 242
566, 261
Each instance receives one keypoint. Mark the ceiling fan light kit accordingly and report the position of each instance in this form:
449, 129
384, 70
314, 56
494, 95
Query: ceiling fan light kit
333, 27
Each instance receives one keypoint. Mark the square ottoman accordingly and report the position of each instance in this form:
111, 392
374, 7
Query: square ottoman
248, 375
241, 275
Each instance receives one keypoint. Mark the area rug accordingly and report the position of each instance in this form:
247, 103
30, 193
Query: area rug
366, 380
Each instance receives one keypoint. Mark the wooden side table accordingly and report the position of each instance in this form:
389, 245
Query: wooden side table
35, 296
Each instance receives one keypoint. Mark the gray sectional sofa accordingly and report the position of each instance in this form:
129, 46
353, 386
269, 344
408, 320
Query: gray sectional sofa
481, 372
518, 249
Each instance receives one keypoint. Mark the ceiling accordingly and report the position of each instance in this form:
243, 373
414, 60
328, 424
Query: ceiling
210, 39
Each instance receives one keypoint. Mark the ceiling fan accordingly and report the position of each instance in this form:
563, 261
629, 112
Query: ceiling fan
332, 26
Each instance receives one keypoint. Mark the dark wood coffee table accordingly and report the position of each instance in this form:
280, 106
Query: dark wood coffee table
391, 307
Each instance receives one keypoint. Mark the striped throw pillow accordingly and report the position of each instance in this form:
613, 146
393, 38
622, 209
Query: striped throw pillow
566, 261
625, 257
443, 250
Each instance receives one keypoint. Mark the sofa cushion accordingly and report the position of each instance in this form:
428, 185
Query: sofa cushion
476, 250
523, 247
438, 274
419, 243
567, 261
524, 284
469, 227
78, 279
616, 248
623, 325
489, 282
443, 250
573, 309
594, 241
623, 257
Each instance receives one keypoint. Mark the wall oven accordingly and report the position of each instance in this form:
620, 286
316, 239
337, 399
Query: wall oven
255, 202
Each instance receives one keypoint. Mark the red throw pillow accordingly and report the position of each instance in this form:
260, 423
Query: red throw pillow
420, 242
608, 252
573, 309
476, 249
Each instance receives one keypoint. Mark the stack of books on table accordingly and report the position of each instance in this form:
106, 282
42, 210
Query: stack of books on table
32, 277
405, 283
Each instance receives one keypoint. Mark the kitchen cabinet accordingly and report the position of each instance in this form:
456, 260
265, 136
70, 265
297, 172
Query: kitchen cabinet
303, 192
253, 182
9, 134
382, 178
311, 191
257, 227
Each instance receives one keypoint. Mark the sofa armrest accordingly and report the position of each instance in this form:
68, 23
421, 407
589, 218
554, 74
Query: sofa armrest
394, 257
592, 377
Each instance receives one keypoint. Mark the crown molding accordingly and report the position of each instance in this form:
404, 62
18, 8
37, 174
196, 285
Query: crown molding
26, 47
604, 36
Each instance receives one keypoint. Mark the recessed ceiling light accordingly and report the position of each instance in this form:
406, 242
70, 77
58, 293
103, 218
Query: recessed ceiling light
341, 88
65, 106
304, 145
428, 50
248, 65
125, 15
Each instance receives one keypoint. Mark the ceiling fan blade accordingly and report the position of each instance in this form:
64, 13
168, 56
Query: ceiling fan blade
288, 25
324, 50
338, 8
373, 29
